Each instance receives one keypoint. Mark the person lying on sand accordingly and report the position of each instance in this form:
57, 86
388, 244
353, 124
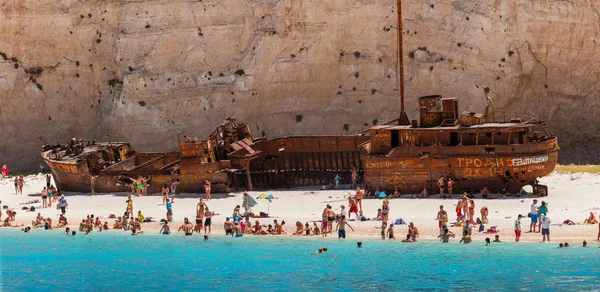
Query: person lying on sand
34, 201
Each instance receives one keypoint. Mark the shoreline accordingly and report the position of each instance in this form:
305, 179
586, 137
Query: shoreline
573, 241
572, 196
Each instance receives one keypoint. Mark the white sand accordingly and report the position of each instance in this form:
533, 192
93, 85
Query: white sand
571, 195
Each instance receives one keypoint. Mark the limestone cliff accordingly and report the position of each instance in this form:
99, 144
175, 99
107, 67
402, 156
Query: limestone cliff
143, 71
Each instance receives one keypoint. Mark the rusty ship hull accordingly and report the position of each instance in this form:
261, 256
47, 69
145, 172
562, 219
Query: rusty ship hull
76, 177
470, 172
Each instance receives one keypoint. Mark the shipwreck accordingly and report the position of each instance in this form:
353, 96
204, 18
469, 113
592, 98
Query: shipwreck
493, 150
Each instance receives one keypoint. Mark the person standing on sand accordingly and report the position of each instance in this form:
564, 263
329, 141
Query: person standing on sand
228, 226
63, 204
139, 182
543, 210
353, 207
545, 221
47, 180
207, 189
92, 183
534, 216
385, 209
207, 220
390, 232
450, 184
16, 185
354, 176
330, 218
145, 185
441, 184
341, 227
174, 184
199, 215
442, 217
165, 193
4, 171
518, 228
44, 194
471, 211
359, 198
21, 184
459, 206
465, 206
169, 211
129, 206
337, 181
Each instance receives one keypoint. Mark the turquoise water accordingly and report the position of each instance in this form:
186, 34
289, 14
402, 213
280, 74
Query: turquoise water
50, 261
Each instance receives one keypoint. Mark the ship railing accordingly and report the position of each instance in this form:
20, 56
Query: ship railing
510, 116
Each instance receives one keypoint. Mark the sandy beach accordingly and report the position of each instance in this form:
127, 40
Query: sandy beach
571, 196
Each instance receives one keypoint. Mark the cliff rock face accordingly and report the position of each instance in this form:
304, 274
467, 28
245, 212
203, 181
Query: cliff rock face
144, 71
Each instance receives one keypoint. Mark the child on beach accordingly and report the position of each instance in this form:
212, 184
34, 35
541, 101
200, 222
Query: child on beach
390, 232
341, 227
497, 238
165, 228
169, 211
518, 228
383, 226
545, 228
413, 231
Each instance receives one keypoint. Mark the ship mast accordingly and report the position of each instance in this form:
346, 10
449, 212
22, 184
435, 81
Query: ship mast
403, 119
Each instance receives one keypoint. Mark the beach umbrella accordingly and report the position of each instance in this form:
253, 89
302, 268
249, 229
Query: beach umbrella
269, 198
249, 202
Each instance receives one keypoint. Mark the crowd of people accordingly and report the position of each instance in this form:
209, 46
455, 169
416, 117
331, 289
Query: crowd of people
243, 223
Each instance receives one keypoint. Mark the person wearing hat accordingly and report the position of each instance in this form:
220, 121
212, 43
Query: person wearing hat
518, 228
534, 216
63, 204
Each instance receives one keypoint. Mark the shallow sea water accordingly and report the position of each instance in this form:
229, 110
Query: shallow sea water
51, 261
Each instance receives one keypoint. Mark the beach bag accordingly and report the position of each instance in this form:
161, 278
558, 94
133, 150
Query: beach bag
263, 214
481, 228
32, 209
400, 221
